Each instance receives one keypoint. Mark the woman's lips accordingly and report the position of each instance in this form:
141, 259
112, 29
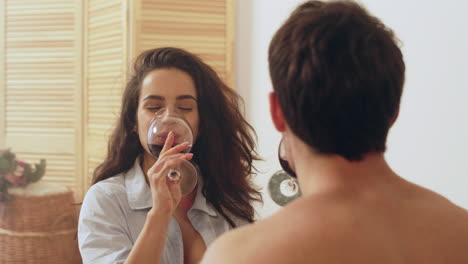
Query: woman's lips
162, 137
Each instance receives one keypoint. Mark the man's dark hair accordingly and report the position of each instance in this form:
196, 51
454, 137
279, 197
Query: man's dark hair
338, 74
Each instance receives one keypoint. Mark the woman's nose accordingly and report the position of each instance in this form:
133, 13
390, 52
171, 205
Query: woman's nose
171, 111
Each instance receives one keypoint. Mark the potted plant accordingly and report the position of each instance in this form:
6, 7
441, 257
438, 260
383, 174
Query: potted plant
17, 173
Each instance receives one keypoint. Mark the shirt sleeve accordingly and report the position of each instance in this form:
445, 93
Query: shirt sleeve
102, 232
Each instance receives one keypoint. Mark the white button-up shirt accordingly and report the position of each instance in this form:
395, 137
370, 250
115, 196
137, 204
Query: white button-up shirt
114, 211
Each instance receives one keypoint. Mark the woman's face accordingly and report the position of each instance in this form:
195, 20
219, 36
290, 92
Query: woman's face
168, 88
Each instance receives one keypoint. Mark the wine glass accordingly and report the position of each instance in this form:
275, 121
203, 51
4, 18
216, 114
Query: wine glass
289, 186
164, 122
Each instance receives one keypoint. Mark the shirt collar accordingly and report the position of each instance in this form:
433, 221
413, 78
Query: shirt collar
139, 192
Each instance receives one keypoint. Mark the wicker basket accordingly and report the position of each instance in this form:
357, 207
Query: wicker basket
39, 228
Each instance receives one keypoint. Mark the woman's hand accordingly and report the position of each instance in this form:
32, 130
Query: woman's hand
166, 193
166, 196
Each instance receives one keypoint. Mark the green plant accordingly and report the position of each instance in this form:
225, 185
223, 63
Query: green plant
17, 173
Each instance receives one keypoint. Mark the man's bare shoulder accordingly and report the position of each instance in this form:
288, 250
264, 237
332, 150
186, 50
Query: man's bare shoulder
337, 228
230, 247
269, 240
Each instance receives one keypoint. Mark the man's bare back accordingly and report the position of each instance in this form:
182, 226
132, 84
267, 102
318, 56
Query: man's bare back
397, 223
338, 74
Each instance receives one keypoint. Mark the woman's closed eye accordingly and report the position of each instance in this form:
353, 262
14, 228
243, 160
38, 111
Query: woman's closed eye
153, 108
186, 109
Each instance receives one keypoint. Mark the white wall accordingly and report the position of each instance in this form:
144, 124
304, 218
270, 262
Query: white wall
429, 143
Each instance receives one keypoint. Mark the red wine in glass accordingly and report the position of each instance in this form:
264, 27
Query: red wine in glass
155, 149
162, 124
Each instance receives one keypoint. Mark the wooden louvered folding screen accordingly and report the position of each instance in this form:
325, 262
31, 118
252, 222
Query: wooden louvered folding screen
63, 66
2, 75
42, 85
105, 60
204, 27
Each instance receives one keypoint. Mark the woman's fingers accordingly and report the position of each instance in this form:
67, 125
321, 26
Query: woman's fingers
168, 143
162, 168
187, 156
162, 180
176, 149
160, 163
168, 149
174, 188
172, 185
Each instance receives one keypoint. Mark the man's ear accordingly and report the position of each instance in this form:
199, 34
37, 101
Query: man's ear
276, 113
395, 117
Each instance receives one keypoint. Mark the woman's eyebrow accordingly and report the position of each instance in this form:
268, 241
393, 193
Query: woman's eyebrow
154, 97
181, 97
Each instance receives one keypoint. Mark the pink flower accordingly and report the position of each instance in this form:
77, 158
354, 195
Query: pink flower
21, 163
19, 170
15, 180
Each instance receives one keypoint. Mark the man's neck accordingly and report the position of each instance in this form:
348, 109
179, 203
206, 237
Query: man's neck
321, 173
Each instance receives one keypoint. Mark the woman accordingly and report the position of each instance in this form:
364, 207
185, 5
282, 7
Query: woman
133, 213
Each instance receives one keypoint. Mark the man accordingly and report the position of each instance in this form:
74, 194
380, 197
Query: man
337, 74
